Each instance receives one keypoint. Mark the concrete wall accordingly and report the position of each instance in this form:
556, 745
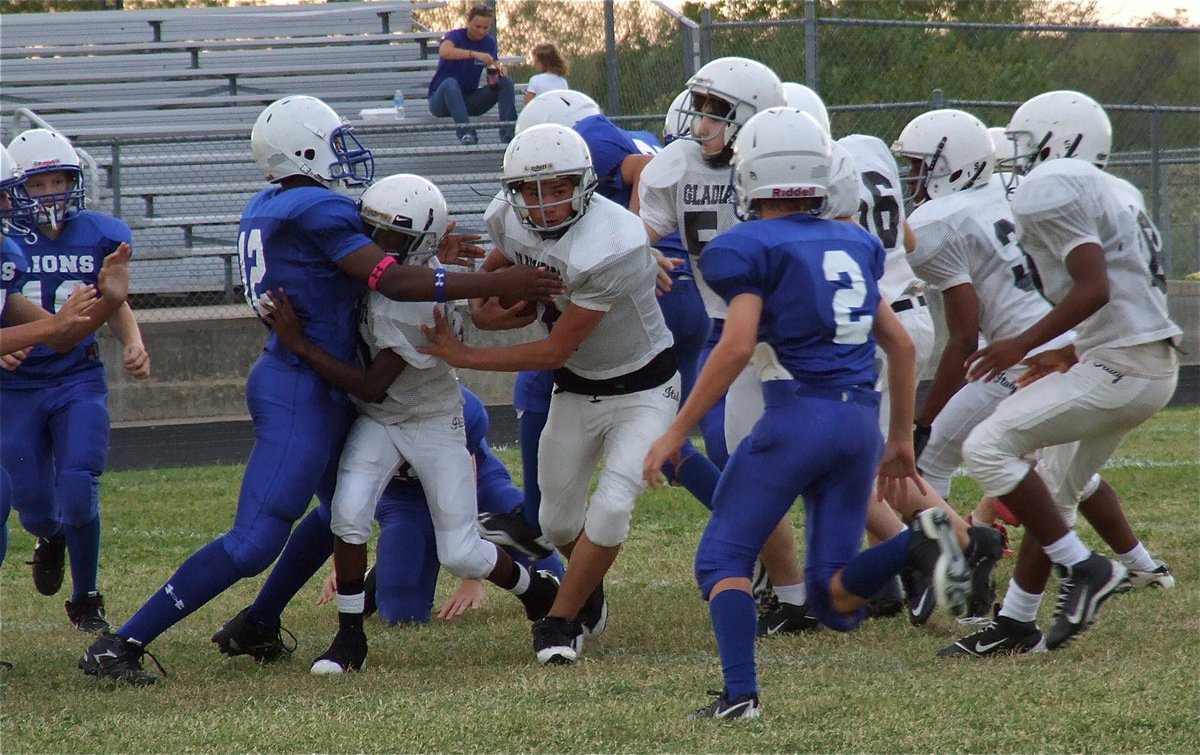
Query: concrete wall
200, 358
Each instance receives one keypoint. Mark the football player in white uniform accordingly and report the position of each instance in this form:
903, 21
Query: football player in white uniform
410, 415
609, 347
854, 195
967, 247
1095, 253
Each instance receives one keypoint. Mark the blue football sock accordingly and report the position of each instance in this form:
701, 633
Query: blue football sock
83, 546
734, 621
870, 570
532, 424
697, 474
309, 546
204, 575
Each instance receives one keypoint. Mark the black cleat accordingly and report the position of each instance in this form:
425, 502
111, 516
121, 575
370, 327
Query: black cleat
543, 589
1082, 588
746, 706
985, 548
557, 641
593, 617
1004, 636
889, 601
88, 613
243, 636
117, 658
951, 577
510, 529
786, 618
917, 577
49, 563
348, 652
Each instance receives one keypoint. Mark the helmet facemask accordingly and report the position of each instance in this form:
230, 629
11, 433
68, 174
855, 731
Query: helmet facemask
18, 211
53, 209
529, 194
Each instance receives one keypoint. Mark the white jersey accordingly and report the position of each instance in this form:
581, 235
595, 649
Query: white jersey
679, 190
969, 237
1064, 203
605, 264
881, 210
428, 386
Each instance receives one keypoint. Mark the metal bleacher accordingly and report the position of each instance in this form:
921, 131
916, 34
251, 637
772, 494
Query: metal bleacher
161, 102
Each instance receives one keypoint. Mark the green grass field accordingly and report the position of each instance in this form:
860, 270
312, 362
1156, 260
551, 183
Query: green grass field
1130, 684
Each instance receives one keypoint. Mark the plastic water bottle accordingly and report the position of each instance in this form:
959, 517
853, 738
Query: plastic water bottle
398, 101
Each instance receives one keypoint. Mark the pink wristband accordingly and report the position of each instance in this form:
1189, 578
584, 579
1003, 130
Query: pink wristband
377, 271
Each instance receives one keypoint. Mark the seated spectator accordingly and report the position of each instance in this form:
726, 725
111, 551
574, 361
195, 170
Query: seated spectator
552, 71
464, 54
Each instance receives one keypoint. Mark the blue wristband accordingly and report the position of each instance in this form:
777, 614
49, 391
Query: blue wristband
439, 285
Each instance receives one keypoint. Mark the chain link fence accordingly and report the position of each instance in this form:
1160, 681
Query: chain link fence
182, 195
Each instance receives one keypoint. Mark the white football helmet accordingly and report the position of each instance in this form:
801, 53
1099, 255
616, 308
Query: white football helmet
806, 100
1060, 124
17, 208
677, 122
842, 200
954, 151
543, 153
566, 107
406, 215
39, 151
302, 136
782, 153
741, 87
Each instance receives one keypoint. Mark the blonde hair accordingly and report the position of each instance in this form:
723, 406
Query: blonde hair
546, 54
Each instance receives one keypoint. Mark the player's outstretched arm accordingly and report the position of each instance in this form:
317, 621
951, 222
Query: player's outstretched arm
548, 353
727, 360
369, 385
412, 283
35, 325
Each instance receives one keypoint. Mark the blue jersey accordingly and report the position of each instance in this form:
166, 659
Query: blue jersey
405, 485
56, 267
12, 266
610, 145
819, 283
465, 71
292, 239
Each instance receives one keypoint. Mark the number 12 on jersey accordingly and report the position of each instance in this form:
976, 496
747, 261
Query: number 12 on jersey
252, 266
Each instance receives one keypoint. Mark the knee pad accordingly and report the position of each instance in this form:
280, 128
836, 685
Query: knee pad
716, 560
474, 561
608, 517
252, 552
39, 523
78, 495
996, 467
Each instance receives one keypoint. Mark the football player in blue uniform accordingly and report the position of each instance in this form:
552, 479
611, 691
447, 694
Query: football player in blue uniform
304, 235
618, 157
54, 419
803, 302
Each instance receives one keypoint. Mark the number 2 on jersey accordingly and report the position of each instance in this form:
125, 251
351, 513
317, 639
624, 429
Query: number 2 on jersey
853, 321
